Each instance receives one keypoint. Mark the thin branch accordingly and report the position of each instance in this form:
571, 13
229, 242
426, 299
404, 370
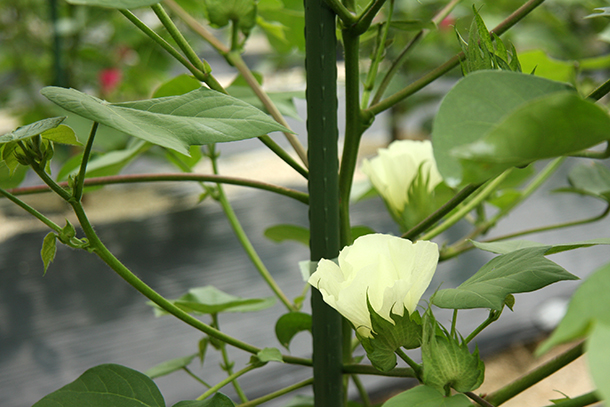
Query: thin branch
346, 16
278, 393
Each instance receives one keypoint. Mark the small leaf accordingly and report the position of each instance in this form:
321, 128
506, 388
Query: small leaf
106, 385
49, 248
590, 179
547, 67
270, 355
512, 245
281, 233
288, 325
31, 130
62, 134
598, 358
202, 116
218, 400
239, 12
426, 396
118, 4
169, 366
590, 305
519, 271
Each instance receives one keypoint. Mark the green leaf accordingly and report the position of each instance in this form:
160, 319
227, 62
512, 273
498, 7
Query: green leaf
547, 67
425, 396
240, 12
270, 355
590, 305
288, 325
473, 108
49, 249
547, 127
11, 179
106, 385
284, 101
32, 129
281, 233
602, 12
179, 85
210, 300
169, 366
598, 358
291, 17
591, 179
406, 331
512, 245
199, 117
218, 400
519, 271
61, 134
118, 4
447, 361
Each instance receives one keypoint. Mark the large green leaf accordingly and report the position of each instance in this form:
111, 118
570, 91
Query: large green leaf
119, 4
106, 385
199, 117
217, 400
589, 305
598, 358
425, 396
512, 245
550, 126
475, 105
519, 271
31, 130
169, 366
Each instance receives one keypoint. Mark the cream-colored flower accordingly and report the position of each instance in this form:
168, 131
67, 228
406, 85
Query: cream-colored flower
395, 168
392, 271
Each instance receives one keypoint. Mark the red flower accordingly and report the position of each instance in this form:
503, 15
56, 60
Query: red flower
109, 79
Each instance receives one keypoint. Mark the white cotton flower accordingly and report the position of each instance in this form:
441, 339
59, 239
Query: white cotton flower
392, 271
395, 168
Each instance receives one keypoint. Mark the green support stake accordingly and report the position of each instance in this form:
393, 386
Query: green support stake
321, 67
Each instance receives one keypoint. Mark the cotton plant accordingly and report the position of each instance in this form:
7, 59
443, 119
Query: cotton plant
406, 177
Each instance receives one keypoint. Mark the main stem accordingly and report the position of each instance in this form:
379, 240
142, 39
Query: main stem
322, 133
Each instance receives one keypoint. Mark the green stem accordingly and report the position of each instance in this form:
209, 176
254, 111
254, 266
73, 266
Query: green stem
480, 401
436, 73
370, 370
194, 376
580, 401
138, 178
226, 381
417, 369
364, 396
164, 44
82, 173
278, 393
601, 91
441, 212
405, 52
346, 16
366, 18
353, 131
227, 363
599, 155
246, 244
486, 190
369, 83
322, 154
493, 316
31, 211
454, 322
512, 389
54, 186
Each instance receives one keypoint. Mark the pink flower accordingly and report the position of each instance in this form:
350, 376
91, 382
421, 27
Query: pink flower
109, 79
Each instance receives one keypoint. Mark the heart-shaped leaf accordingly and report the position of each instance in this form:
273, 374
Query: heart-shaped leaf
201, 116
106, 385
519, 271
288, 325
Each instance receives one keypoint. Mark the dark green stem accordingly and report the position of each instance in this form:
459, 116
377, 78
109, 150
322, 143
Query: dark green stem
478, 399
370, 370
138, 178
82, 173
441, 212
56, 228
322, 154
580, 401
54, 186
346, 17
276, 394
512, 389
279, 151
364, 396
353, 130
227, 363
433, 75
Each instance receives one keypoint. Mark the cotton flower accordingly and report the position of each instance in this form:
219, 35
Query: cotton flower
395, 169
393, 272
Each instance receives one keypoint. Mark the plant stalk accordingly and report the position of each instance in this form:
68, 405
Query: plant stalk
278, 393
